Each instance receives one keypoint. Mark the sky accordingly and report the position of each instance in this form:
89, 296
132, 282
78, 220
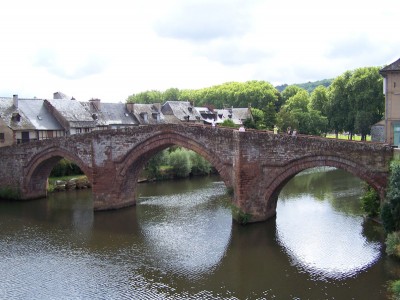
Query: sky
113, 49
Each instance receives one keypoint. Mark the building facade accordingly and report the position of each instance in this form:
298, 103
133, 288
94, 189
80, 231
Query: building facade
391, 89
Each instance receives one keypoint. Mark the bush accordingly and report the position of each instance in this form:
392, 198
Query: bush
394, 288
9, 193
370, 202
393, 244
200, 166
180, 162
65, 168
391, 210
387, 218
228, 123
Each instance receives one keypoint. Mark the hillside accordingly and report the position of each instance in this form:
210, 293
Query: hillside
308, 86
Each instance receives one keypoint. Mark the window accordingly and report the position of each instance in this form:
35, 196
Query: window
1, 137
25, 136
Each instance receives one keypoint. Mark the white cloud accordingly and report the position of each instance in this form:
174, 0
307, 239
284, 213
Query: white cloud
112, 49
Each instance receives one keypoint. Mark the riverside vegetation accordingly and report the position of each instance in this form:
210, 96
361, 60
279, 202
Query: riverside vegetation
389, 213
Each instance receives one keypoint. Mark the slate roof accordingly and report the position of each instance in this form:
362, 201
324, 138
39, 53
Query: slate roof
73, 112
181, 110
140, 110
226, 114
206, 114
393, 67
241, 113
7, 110
110, 114
38, 114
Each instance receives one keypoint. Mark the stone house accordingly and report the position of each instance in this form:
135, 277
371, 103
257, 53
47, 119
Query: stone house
146, 114
110, 115
71, 114
237, 115
391, 124
181, 111
23, 120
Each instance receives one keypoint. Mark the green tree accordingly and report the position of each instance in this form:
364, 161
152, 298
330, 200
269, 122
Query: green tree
153, 165
172, 94
319, 99
355, 101
390, 214
338, 104
289, 92
148, 97
365, 93
199, 165
300, 101
180, 162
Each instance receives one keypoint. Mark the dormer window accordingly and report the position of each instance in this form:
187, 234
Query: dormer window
94, 116
190, 109
144, 117
156, 116
16, 117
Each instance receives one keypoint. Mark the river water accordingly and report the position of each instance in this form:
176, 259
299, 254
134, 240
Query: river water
180, 242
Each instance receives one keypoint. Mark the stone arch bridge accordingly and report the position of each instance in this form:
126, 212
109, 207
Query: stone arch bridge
254, 164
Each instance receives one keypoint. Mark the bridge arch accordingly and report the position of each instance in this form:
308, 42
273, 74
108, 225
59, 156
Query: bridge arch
133, 162
40, 166
294, 167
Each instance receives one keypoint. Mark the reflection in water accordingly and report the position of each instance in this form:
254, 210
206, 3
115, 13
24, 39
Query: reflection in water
182, 240
179, 242
325, 244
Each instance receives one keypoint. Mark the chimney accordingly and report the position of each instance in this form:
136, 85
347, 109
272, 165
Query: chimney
95, 103
130, 106
15, 101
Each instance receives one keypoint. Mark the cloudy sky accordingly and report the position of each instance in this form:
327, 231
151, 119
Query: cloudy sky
113, 49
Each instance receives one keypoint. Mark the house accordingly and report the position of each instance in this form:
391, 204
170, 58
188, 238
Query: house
242, 114
146, 114
71, 114
237, 115
207, 115
110, 115
391, 89
23, 120
180, 111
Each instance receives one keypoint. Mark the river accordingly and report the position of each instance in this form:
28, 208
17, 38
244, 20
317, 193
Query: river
179, 242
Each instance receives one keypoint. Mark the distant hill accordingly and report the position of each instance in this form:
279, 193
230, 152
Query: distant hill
308, 86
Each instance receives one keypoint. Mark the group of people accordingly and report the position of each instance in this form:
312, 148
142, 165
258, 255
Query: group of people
289, 131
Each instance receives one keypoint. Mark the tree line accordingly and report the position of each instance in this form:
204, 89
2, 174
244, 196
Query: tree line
351, 102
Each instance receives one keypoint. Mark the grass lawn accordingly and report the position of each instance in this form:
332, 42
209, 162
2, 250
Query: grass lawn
346, 137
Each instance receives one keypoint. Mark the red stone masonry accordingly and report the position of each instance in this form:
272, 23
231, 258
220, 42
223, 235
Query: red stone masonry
255, 164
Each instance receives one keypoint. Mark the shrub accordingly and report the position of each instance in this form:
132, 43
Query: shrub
65, 168
391, 210
200, 166
370, 202
9, 193
387, 218
394, 288
228, 123
393, 244
180, 162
